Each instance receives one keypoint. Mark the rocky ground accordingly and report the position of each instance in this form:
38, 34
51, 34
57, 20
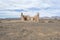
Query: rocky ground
29, 31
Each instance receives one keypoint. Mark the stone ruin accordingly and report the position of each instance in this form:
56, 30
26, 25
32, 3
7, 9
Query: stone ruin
29, 18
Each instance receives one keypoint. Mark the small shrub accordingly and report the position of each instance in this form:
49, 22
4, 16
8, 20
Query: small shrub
50, 22
1, 26
0, 22
42, 22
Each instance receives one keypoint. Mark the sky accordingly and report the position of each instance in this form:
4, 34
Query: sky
13, 8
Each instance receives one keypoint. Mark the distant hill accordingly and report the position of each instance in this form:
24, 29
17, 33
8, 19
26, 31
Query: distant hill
53, 17
10, 18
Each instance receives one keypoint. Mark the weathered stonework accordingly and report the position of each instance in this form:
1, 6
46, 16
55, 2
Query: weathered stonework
28, 18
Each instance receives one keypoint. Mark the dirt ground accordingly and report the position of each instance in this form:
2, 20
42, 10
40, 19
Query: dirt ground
17, 30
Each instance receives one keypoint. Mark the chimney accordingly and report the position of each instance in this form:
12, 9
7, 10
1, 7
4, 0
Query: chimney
21, 14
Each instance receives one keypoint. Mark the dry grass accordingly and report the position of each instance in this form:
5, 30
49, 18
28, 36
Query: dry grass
29, 31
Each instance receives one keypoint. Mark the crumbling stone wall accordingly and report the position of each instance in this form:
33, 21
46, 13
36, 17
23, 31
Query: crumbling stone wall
28, 18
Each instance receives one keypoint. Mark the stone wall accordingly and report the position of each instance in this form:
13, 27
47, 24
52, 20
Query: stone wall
28, 18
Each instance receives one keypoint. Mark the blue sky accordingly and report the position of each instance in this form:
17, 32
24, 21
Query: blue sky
13, 8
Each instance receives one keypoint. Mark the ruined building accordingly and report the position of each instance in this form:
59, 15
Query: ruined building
28, 18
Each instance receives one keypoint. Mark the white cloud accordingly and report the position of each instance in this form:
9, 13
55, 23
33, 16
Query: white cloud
43, 5
18, 4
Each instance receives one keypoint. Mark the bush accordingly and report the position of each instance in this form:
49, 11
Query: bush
0, 22
1, 26
50, 22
